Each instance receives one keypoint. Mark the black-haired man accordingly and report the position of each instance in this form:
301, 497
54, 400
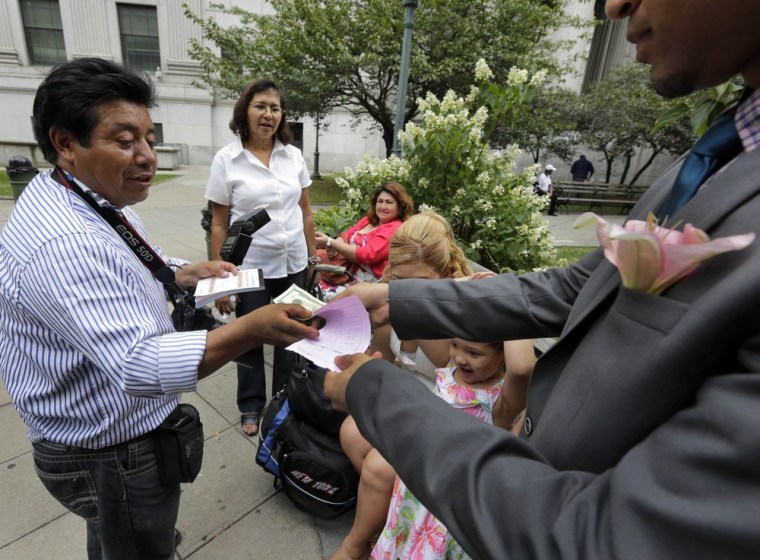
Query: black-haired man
88, 351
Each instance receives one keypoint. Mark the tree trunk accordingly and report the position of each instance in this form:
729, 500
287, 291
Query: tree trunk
626, 168
644, 167
608, 174
388, 139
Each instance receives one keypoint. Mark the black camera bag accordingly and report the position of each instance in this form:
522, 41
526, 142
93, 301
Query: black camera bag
179, 445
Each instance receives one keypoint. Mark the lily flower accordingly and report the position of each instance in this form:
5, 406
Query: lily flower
652, 258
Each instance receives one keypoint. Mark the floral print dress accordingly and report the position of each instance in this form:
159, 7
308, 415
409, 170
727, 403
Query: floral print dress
411, 531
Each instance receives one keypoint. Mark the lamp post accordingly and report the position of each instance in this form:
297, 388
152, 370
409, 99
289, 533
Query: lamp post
316, 174
409, 7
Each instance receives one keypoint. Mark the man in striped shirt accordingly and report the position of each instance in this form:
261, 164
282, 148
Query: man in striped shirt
88, 351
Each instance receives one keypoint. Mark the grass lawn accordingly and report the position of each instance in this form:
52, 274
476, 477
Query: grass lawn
572, 254
161, 177
325, 190
5, 185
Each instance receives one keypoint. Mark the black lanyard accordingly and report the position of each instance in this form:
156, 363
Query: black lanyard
153, 262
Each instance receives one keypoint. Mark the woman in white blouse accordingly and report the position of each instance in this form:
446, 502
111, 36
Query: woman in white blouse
261, 168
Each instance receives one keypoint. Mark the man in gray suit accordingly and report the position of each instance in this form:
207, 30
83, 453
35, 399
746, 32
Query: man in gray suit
642, 432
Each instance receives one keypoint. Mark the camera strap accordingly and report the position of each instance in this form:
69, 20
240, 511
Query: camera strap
160, 270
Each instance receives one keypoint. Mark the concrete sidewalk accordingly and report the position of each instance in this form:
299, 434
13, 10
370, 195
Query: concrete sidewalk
231, 511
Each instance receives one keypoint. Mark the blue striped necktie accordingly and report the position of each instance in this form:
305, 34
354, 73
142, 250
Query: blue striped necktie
719, 145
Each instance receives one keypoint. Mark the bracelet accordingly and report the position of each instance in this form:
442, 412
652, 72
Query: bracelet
313, 261
329, 242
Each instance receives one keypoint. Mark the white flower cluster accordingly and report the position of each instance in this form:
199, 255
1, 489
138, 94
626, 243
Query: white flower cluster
429, 101
410, 133
538, 78
451, 103
354, 195
474, 94
510, 154
498, 190
393, 168
482, 71
517, 76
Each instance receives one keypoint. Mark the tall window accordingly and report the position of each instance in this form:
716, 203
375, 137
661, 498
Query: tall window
43, 31
139, 37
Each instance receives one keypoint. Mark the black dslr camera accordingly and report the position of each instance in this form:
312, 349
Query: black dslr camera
239, 236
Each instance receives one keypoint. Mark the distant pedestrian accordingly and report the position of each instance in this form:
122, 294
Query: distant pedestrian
544, 188
582, 169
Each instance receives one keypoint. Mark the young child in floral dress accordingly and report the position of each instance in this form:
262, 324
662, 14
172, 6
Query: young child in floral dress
471, 383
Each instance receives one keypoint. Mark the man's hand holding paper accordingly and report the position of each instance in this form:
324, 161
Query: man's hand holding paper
346, 331
374, 298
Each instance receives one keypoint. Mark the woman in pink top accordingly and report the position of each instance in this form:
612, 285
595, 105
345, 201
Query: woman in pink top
365, 245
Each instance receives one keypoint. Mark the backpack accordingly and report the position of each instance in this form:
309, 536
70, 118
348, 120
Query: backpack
306, 396
308, 465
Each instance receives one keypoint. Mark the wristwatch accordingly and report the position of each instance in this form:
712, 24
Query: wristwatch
313, 261
329, 242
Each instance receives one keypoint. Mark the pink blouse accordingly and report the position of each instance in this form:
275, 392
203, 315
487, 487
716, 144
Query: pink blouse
372, 247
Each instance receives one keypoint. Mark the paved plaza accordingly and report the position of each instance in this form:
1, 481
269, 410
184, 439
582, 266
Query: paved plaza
232, 510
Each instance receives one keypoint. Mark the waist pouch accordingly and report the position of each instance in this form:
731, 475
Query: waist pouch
179, 445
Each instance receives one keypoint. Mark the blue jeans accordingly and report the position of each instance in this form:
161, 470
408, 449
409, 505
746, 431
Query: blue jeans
129, 512
252, 388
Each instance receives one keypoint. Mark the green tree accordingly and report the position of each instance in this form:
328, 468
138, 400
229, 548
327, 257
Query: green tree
548, 127
346, 53
617, 118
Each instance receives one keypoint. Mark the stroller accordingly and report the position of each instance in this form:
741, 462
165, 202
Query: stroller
316, 288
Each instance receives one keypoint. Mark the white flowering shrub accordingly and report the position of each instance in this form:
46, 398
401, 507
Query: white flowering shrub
448, 166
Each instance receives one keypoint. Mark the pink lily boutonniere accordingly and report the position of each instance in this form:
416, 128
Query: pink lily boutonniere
651, 258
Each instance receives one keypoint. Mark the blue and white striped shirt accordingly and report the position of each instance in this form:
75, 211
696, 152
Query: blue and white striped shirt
88, 352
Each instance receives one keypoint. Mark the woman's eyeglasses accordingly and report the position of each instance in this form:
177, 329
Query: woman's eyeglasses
262, 108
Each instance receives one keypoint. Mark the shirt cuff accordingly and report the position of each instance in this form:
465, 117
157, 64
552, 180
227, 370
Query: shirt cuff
179, 355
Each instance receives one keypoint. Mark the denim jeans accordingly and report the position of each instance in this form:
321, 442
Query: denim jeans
252, 389
129, 512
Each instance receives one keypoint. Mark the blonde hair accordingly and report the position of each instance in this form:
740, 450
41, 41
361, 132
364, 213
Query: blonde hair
427, 238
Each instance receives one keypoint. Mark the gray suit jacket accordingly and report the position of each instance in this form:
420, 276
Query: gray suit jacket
643, 432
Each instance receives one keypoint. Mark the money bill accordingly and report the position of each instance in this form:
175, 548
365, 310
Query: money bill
294, 294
